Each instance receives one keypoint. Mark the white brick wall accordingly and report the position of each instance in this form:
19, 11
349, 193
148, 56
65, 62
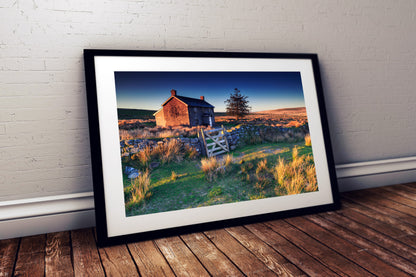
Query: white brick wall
366, 49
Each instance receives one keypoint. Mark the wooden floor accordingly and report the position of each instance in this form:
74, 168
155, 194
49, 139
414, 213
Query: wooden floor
373, 234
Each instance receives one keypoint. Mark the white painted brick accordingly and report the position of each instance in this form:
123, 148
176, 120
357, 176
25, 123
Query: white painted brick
2, 129
7, 3
25, 77
64, 148
365, 47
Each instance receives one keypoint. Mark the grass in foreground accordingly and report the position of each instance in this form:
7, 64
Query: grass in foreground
251, 172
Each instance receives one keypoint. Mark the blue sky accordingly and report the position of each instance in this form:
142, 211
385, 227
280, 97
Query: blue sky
265, 90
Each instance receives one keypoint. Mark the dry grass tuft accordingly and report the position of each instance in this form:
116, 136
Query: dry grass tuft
308, 141
228, 160
213, 167
262, 167
144, 156
209, 167
173, 176
138, 189
311, 179
295, 153
296, 185
191, 152
296, 176
172, 151
280, 172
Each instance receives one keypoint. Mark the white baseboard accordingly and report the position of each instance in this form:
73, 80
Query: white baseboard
46, 224
375, 167
73, 211
25, 217
355, 176
48, 205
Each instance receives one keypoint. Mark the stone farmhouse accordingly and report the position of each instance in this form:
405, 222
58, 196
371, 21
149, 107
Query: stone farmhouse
180, 110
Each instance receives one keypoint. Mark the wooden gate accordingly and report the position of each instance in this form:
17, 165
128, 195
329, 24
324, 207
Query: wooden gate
215, 142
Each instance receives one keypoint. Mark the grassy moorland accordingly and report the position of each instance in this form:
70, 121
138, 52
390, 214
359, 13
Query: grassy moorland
251, 172
266, 163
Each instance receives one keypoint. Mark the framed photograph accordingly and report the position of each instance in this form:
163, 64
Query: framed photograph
190, 141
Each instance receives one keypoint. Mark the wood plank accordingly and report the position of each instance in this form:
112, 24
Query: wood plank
382, 240
402, 190
149, 260
181, 259
218, 153
382, 227
393, 195
365, 245
213, 260
345, 248
117, 261
31, 256
407, 188
86, 258
240, 256
413, 185
270, 257
215, 143
221, 147
58, 255
8, 253
338, 263
383, 201
372, 204
404, 226
305, 262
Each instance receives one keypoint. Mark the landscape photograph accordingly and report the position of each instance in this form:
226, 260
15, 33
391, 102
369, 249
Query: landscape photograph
195, 139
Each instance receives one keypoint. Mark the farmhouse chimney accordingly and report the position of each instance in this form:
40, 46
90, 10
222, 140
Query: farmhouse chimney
173, 92
202, 97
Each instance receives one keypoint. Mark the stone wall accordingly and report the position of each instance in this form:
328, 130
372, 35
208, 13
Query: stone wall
133, 146
234, 137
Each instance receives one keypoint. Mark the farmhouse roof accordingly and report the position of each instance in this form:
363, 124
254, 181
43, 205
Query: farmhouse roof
194, 102
191, 102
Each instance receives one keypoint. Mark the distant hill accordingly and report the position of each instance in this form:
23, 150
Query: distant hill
135, 114
220, 113
299, 110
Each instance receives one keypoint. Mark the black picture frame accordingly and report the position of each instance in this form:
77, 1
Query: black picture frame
113, 225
